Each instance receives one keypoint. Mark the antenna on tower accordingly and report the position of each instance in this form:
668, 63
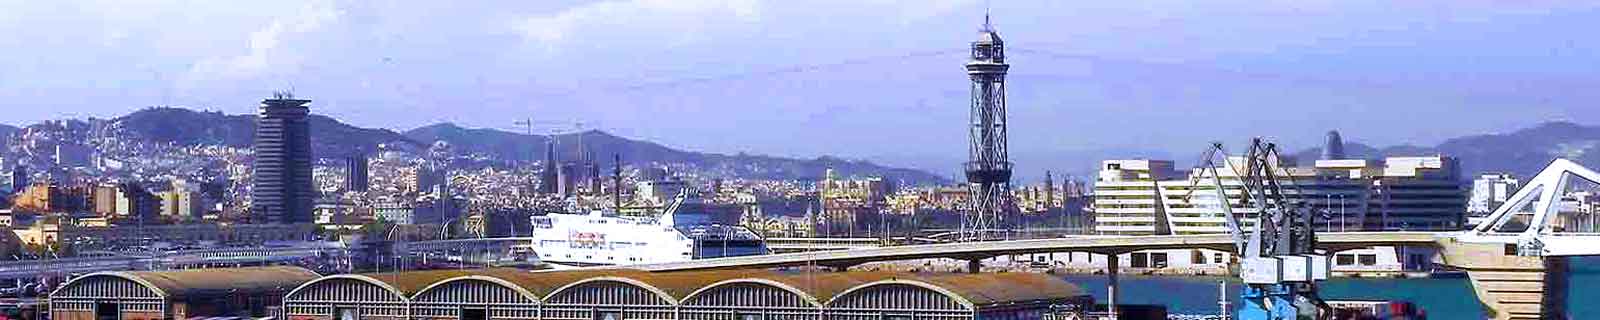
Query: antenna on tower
986, 26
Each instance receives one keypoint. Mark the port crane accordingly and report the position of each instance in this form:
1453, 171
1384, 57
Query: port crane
1279, 263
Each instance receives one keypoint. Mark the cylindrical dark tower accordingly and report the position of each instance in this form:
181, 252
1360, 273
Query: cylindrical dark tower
283, 189
357, 176
1333, 148
988, 167
548, 177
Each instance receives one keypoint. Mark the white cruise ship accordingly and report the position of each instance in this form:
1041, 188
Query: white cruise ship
604, 238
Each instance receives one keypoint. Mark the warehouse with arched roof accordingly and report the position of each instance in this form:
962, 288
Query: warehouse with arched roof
182, 294
1003, 296
488, 294
750, 298
362, 296
609, 297
619, 294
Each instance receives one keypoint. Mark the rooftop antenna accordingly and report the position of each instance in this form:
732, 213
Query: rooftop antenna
284, 94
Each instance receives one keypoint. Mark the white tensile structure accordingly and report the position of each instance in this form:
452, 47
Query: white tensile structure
1529, 217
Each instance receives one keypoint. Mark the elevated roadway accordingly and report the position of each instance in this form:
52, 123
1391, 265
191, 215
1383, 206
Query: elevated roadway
788, 245
28, 269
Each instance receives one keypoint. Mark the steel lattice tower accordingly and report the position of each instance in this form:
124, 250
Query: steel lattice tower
988, 168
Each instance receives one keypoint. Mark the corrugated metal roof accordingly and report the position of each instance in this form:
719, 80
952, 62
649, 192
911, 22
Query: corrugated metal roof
409, 282
980, 289
823, 286
543, 283
1001, 288
197, 281
977, 289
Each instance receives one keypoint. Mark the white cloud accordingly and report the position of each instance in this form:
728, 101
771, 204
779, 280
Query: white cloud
908, 12
265, 52
676, 21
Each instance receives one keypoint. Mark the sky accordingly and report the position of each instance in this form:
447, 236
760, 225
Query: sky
865, 79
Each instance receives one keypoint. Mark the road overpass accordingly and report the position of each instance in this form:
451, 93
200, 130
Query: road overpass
790, 245
29, 269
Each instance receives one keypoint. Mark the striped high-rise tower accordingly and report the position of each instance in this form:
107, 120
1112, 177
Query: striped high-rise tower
283, 191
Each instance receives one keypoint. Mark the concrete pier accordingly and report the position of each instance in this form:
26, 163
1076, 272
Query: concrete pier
1512, 287
1112, 264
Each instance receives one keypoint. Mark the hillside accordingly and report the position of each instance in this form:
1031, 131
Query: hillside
1522, 152
5, 133
507, 145
329, 137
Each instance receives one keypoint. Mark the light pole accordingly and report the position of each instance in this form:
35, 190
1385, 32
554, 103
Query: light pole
389, 236
1329, 206
1342, 224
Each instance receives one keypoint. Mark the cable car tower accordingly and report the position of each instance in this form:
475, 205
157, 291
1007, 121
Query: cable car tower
988, 168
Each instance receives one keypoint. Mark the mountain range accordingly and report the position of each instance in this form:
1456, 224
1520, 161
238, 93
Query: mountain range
603, 146
332, 138
1522, 152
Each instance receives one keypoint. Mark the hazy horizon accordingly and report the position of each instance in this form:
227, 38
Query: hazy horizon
878, 80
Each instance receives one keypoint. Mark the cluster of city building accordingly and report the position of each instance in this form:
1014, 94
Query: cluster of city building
98, 192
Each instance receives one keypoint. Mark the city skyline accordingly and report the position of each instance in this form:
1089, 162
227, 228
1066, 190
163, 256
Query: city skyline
1092, 69
775, 160
1548, 139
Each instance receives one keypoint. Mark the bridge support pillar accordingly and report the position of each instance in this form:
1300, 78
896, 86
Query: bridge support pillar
1512, 287
840, 267
1113, 263
974, 265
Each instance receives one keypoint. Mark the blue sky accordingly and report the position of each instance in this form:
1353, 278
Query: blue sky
861, 79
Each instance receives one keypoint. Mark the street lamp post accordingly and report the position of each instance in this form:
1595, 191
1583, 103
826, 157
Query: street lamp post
1342, 224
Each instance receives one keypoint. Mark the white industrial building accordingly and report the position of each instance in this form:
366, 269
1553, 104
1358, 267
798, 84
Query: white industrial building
1148, 197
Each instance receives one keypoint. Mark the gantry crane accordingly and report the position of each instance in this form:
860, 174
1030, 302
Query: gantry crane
1279, 263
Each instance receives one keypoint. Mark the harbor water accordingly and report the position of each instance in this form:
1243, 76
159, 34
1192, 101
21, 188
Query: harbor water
1444, 298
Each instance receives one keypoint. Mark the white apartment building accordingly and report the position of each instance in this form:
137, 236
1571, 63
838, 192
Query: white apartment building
1489, 191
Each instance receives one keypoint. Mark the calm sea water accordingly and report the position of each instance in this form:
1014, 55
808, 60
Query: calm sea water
1442, 298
